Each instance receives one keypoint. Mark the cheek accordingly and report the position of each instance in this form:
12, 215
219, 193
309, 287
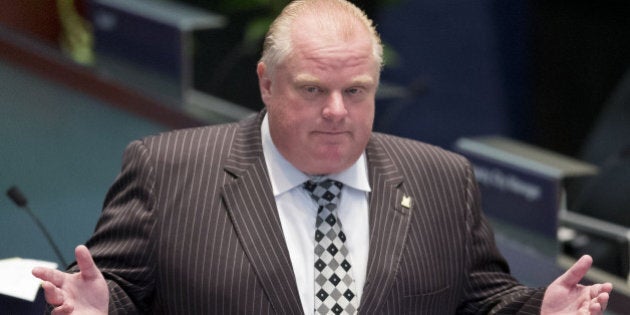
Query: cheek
363, 116
286, 127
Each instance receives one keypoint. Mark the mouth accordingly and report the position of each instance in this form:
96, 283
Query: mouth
328, 135
331, 133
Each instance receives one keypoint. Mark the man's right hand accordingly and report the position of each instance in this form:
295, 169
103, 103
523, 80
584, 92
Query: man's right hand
84, 292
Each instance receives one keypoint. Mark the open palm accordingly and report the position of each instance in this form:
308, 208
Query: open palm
84, 292
566, 296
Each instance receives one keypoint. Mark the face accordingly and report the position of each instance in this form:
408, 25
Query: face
320, 102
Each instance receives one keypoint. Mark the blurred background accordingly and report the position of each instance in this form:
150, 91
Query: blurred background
82, 78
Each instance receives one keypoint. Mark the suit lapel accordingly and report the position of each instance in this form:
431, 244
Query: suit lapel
389, 222
251, 206
250, 203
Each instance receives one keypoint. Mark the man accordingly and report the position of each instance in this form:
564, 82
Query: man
217, 220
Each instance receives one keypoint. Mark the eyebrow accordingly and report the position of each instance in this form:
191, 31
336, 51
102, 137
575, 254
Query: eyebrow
363, 80
310, 79
306, 78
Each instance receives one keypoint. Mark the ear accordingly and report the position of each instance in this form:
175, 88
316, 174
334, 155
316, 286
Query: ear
264, 81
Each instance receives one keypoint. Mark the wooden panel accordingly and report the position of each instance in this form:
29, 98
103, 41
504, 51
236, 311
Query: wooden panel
36, 18
51, 64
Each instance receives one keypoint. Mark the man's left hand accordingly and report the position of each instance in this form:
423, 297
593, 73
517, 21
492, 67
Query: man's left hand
566, 296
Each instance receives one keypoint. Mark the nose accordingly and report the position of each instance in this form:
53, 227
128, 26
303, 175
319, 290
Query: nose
335, 107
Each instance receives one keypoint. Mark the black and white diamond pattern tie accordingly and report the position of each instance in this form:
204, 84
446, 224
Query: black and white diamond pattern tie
334, 285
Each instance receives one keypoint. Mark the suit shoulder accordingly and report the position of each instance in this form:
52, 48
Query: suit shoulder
397, 143
212, 131
401, 150
183, 144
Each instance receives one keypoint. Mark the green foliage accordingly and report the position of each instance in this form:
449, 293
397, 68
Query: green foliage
264, 11
255, 31
235, 6
257, 15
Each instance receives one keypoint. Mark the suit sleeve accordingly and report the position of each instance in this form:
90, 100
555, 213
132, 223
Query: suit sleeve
121, 244
490, 288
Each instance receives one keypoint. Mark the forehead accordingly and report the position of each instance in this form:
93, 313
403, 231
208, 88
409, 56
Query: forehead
328, 71
339, 36
331, 66
315, 53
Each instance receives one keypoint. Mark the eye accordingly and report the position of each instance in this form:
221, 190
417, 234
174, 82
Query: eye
312, 89
356, 94
354, 91
311, 92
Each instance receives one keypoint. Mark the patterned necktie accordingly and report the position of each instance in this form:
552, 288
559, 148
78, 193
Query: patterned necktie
334, 286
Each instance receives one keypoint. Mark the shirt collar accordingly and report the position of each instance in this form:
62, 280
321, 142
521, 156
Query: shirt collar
284, 176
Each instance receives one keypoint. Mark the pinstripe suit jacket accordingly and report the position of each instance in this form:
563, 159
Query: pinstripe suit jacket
190, 227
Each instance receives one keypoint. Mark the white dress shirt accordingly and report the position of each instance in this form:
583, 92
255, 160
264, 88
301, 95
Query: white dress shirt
298, 212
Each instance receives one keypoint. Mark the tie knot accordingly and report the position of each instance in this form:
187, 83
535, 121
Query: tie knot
325, 191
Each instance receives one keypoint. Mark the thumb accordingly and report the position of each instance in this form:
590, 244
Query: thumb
88, 268
574, 275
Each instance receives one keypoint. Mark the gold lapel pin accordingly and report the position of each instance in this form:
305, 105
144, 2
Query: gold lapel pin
406, 202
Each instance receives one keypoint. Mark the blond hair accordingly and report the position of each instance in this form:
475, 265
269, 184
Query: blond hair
338, 16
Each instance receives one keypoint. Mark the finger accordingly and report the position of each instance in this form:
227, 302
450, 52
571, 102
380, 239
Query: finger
594, 290
40, 272
607, 287
603, 299
53, 276
600, 295
62, 310
574, 275
53, 295
595, 308
86, 264
584, 309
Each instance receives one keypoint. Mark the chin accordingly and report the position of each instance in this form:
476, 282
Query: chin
328, 160
328, 166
